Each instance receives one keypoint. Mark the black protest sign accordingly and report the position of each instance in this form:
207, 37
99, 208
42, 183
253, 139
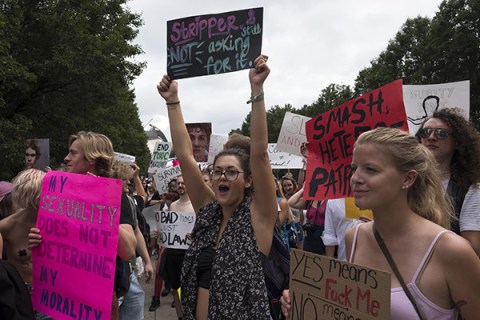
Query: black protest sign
213, 44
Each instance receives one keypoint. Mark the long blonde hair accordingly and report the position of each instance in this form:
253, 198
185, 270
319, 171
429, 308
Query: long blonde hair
280, 194
426, 197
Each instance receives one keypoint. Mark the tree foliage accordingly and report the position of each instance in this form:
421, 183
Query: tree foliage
66, 66
443, 49
331, 96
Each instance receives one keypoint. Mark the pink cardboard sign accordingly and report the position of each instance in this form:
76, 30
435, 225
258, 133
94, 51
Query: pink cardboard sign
74, 266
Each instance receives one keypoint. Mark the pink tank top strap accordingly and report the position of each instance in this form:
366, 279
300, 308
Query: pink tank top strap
354, 243
427, 257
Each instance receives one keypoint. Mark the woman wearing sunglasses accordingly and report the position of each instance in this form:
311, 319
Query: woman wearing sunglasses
222, 273
456, 146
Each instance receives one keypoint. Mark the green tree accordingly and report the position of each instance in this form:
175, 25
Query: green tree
443, 49
406, 56
455, 42
68, 68
331, 96
275, 117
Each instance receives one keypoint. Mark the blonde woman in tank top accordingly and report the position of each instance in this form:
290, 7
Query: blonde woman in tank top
397, 178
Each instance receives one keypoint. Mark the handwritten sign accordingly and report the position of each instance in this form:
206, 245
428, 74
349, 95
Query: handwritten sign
213, 44
292, 134
326, 288
163, 176
422, 100
173, 228
151, 216
74, 266
124, 157
160, 156
216, 145
283, 160
331, 136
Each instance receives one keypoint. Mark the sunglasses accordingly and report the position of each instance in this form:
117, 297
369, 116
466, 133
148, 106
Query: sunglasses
440, 133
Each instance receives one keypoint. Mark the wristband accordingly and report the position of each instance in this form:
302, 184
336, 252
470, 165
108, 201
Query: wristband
172, 103
257, 98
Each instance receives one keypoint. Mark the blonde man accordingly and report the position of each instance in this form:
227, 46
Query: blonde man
92, 153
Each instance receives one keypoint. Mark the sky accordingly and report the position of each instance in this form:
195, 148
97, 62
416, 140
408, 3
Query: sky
310, 44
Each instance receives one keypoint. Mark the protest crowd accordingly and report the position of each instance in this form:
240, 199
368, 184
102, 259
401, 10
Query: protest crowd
229, 237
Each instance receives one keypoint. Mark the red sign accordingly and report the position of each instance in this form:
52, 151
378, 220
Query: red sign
331, 136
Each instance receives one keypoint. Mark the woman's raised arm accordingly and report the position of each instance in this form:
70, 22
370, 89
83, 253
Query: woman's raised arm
264, 213
198, 191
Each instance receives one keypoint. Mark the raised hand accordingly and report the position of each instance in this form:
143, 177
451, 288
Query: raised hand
168, 89
259, 73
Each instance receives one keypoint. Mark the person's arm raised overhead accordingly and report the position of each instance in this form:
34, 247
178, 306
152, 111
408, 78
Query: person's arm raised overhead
296, 201
199, 193
264, 204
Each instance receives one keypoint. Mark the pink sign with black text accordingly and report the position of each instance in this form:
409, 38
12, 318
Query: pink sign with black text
74, 266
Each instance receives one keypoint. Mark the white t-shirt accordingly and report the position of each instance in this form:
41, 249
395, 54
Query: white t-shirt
336, 225
470, 213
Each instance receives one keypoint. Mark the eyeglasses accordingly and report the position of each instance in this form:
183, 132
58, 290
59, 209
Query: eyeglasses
30, 154
230, 174
440, 133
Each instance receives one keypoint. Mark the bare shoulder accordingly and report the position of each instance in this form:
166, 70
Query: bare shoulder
350, 234
283, 202
452, 247
361, 227
6, 225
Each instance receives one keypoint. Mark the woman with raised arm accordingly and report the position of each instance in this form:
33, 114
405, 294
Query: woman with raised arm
222, 274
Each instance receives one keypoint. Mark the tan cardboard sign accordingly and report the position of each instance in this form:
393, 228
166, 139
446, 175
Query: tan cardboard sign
326, 288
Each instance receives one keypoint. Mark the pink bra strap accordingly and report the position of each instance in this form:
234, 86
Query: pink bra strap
427, 256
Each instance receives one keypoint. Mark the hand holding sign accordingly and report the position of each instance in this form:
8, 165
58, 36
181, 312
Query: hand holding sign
168, 89
259, 73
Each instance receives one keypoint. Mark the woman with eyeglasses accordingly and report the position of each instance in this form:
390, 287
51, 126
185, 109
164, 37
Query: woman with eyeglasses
222, 273
455, 143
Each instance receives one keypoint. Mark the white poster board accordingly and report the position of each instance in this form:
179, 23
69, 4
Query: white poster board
216, 145
160, 156
151, 216
163, 176
422, 100
124, 157
283, 160
173, 228
292, 134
